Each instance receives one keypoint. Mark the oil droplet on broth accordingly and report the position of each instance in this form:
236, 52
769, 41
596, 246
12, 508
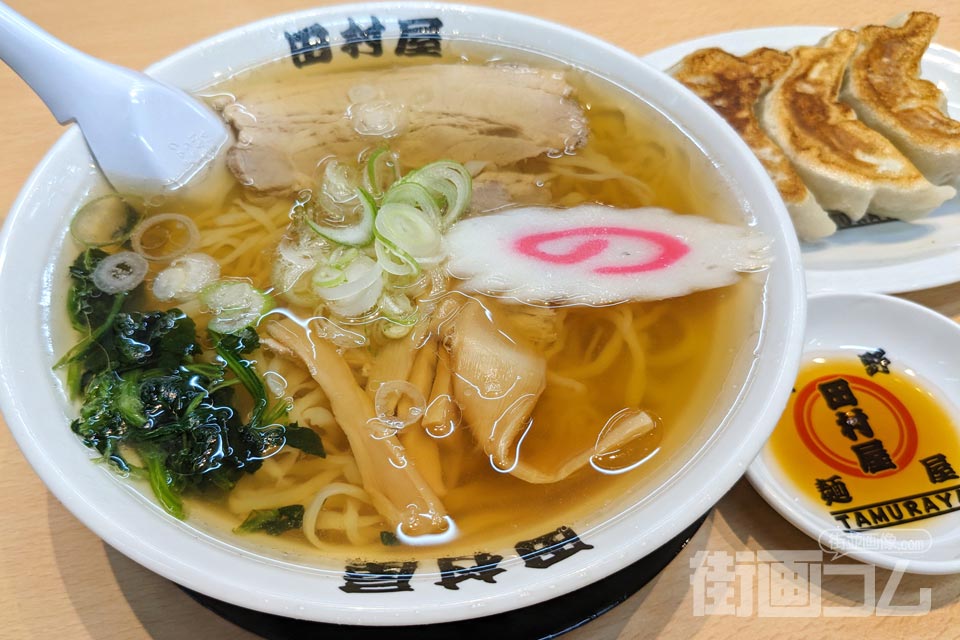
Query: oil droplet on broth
628, 439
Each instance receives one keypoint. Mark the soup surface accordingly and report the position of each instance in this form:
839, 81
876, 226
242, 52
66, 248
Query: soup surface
448, 420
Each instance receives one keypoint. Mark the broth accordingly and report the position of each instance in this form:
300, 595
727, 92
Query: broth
681, 360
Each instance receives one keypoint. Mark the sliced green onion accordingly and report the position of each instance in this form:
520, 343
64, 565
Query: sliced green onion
105, 221
342, 256
383, 169
358, 293
165, 236
120, 272
297, 256
359, 275
393, 259
326, 276
338, 189
185, 277
302, 249
398, 309
449, 181
408, 228
287, 281
415, 195
359, 234
393, 330
236, 305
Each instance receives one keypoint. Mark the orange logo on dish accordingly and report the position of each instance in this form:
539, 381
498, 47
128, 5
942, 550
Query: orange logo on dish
889, 418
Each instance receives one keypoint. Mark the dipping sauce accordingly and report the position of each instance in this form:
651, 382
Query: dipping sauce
869, 440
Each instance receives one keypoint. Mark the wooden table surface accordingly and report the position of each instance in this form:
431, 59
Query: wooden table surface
58, 580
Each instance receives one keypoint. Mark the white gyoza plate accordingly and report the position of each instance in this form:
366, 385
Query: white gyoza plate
889, 257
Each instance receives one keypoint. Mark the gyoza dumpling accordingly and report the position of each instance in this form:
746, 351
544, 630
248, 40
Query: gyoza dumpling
884, 87
848, 166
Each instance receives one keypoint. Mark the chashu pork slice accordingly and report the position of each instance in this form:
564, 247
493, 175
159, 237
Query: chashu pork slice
734, 86
496, 114
884, 87
848, 166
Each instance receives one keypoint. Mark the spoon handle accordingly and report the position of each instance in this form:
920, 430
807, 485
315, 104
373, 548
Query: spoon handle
53, 69
146, 136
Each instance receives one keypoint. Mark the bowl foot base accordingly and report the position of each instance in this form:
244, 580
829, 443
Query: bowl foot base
544, 620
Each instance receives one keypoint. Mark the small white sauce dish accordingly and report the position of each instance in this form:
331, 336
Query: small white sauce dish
898, 512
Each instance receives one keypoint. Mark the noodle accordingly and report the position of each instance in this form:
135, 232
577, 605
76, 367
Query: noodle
245, 497
610, 184
329, 521
603, 360
312, 511
679, 350
636, 382
563, 381
236, 239
279, 465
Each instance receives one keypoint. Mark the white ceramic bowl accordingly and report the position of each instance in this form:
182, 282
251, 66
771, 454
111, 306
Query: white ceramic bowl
38, 412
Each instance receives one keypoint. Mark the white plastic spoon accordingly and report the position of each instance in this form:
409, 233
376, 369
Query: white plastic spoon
147, 137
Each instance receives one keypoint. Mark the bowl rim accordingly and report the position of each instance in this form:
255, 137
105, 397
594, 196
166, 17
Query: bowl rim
775, 373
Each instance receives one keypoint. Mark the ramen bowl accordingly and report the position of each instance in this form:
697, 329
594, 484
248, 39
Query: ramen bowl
426, 587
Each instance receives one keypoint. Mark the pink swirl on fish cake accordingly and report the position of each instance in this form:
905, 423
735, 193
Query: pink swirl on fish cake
670, 249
